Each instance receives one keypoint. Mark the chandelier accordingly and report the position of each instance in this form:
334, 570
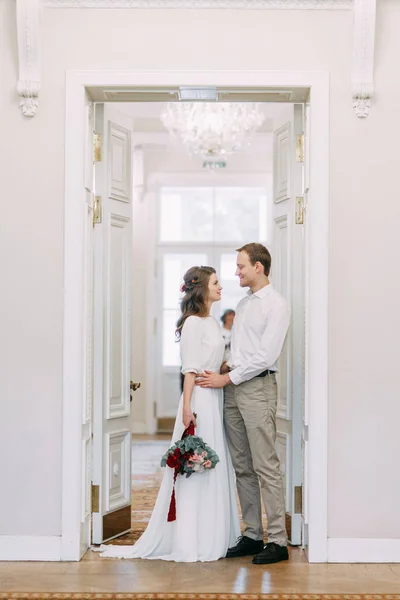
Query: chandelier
212, 130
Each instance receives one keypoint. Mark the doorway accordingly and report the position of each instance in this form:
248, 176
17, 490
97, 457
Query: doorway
74, 460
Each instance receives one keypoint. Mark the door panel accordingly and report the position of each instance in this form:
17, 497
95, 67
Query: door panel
118, 448
298, 333
119, 315
112, 276
86, 420
282, 161
280, 280
287, 276
302, 350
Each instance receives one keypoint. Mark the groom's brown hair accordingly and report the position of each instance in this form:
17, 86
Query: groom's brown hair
257, 253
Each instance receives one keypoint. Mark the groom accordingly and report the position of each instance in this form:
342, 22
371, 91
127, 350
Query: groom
259, 331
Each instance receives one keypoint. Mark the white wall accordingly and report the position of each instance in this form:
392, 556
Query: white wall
364, 241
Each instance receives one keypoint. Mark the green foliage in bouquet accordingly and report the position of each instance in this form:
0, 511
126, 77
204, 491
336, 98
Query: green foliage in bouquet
190, 455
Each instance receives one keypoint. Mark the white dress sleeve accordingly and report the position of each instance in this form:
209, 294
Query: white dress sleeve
191, 335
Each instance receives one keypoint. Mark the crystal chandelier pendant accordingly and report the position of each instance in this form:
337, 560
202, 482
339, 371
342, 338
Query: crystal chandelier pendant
212, 130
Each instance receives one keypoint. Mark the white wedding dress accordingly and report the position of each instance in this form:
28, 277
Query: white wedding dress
207, 520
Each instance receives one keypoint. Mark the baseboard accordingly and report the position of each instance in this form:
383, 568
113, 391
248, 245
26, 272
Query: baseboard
363, 550
73, 546
30, 547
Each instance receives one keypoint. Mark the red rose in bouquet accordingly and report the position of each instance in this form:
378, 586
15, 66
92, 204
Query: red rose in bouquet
173, 459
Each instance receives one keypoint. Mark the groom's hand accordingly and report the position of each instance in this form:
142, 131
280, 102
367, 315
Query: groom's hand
209, 379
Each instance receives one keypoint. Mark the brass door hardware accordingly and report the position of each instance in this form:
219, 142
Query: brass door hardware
134, 386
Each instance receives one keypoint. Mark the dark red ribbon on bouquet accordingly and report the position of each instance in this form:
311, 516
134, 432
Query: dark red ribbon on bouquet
172, 505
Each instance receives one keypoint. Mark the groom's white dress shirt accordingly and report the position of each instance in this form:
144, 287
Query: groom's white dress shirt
258, 333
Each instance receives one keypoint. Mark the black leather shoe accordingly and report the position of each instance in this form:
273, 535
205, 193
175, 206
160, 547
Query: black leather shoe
245, 547
272, 553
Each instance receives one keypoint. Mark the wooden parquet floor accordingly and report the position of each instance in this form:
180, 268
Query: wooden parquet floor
113, 579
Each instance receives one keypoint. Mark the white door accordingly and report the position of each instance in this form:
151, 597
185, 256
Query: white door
112, 305
302, 350
287, 276
86, 427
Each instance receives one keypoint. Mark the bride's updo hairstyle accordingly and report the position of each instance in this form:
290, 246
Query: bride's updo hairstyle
195, 289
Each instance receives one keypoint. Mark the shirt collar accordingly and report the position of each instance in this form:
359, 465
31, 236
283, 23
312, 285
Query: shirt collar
261, 293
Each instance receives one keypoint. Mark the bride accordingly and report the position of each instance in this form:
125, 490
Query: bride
207, 521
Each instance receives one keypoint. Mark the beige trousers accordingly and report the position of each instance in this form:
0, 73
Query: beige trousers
249, 415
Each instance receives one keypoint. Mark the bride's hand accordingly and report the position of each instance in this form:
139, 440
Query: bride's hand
188, 417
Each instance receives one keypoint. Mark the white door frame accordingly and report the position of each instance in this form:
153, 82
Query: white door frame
316, 281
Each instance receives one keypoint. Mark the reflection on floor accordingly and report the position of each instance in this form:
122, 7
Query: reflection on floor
146, 476
95, 574
146, 479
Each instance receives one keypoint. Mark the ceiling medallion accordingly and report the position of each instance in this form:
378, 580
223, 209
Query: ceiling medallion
212, 130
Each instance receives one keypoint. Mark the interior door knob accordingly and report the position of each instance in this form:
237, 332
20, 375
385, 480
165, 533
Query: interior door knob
134, 386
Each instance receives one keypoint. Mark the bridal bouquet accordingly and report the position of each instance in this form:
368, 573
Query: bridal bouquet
187, 456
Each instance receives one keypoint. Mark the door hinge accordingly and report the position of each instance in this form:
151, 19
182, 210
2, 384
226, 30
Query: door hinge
97, 147
97, 210
299, 210
298, 499
95, 498
300, 147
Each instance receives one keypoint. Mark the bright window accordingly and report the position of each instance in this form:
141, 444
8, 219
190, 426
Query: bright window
186, 214
205, 214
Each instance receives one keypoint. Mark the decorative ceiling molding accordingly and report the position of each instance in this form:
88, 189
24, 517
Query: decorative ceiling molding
28, 22
363, 56
28, 85
231, 4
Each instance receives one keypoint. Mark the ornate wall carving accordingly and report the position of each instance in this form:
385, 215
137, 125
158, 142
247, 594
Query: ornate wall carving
363, 56
28, 22
28, 86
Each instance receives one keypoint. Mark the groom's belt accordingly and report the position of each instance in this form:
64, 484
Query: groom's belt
265, 373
